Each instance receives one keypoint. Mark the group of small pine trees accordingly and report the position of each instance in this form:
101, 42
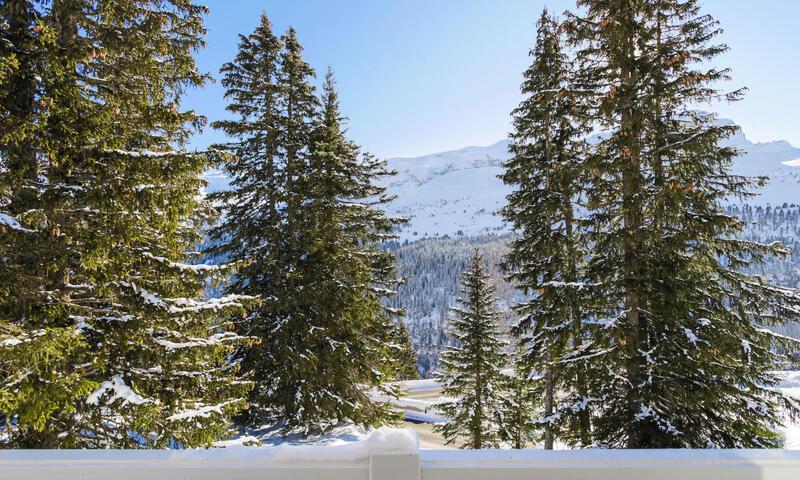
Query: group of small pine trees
106, 337
643, 327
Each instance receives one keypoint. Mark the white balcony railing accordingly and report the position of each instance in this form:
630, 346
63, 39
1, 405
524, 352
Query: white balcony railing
394, 455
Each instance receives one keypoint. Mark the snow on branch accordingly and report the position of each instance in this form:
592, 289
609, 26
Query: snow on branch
664, 425
575, 285
216, 339
152, 153
24, 338
10, 222
185, 267
201, 411
119, 391
146, 154
571, 358
770, 333
188, 305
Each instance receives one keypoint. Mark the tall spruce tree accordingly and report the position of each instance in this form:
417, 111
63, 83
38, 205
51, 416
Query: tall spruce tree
546, 259
471, 370
100, 307
684, 358
305, 215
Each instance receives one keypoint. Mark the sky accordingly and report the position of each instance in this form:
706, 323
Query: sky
422, 76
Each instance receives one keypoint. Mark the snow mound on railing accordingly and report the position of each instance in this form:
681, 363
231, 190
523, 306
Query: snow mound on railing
399, 441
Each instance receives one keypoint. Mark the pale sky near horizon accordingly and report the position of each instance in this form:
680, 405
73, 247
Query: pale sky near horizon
423, 76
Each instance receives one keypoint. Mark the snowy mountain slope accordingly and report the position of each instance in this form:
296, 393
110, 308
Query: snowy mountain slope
450, 193
458, 192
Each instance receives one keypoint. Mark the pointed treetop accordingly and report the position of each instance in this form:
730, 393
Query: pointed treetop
265, 21
332, 117
477, 266
291, 41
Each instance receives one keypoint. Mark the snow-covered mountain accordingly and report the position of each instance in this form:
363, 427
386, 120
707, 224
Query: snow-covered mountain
450, 193
458, 192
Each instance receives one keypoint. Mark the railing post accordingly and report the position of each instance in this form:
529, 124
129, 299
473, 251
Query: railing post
394, 455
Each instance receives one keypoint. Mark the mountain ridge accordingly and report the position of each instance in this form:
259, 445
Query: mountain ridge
458, 192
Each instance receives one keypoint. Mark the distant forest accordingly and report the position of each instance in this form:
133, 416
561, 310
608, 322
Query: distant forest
431, 268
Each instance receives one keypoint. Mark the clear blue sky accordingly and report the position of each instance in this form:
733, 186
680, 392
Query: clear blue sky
422, 76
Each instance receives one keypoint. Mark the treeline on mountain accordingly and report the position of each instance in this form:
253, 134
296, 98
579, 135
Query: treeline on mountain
637, 312
432, 268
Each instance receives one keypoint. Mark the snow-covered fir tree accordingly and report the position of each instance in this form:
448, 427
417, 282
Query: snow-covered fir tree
546, 259
305, 215
471, 370
37, 377
105, 338
683, 358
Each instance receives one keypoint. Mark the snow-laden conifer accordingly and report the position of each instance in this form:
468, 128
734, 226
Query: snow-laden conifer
305, 216
407, 362
105, 337
471, 378
685, 356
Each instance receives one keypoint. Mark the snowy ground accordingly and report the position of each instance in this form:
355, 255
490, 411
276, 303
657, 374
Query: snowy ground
420, 416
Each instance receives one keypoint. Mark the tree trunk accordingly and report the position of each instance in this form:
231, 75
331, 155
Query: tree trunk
550, 387
630, 151
584, 423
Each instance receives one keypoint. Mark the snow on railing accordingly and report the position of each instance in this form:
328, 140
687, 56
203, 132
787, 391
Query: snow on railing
391, 454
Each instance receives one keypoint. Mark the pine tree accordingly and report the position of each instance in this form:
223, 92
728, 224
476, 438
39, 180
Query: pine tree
110, 213
406, 358
545, 261
305, 216
684, 358
36, 378
471, 370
